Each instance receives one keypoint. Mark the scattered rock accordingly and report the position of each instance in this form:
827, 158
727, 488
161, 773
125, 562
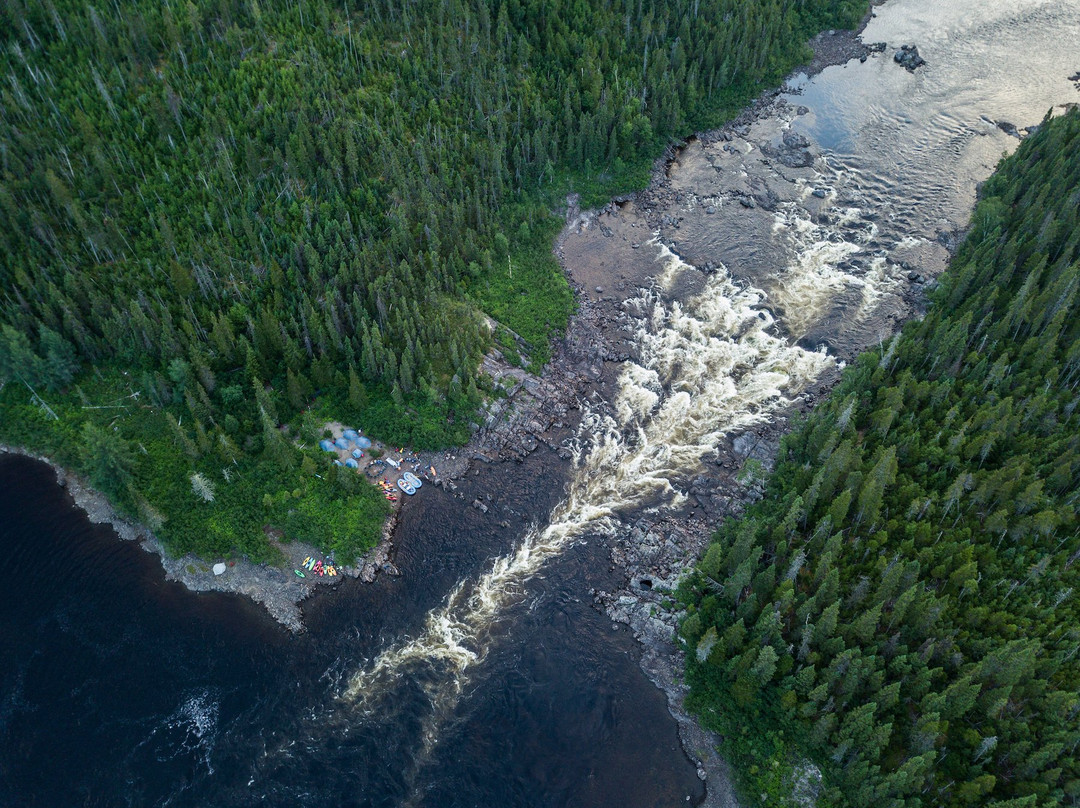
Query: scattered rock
1008, 129
793, 150
908, 56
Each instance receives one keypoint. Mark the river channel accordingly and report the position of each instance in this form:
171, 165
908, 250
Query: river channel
727, 295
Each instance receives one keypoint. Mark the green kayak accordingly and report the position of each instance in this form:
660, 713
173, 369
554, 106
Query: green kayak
299, 573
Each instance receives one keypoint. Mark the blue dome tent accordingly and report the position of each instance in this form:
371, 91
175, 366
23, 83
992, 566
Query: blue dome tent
341, 443
326, 446
352, 463
350, 434
363, 443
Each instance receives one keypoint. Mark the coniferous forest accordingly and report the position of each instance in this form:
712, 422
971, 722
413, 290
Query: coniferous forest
224, 223
902, 607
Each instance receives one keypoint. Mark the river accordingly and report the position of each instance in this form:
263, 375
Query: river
484, 674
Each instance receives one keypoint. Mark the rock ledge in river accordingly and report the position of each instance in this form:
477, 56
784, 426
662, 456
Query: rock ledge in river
908, 56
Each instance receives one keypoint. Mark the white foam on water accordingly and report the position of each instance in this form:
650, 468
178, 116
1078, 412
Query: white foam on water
714, 365
191, 728
881, 282
707, 367
808, 286
673, 265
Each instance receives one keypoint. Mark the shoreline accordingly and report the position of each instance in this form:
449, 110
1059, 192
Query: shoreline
649, 552
275, 589
513, 427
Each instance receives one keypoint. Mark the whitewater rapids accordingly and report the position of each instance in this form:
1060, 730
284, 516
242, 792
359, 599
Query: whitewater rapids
707, 367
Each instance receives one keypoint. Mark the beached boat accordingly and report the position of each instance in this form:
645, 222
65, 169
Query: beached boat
412, 479
404, 486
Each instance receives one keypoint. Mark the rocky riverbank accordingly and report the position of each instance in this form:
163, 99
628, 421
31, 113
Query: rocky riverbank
532, 413
277, 589
749, 168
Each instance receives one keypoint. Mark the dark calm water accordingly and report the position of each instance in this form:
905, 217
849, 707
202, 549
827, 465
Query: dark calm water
118, 688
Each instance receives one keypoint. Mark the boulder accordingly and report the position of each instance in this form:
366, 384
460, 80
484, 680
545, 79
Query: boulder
908, 56
794, 140
765, 197
1009, 129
